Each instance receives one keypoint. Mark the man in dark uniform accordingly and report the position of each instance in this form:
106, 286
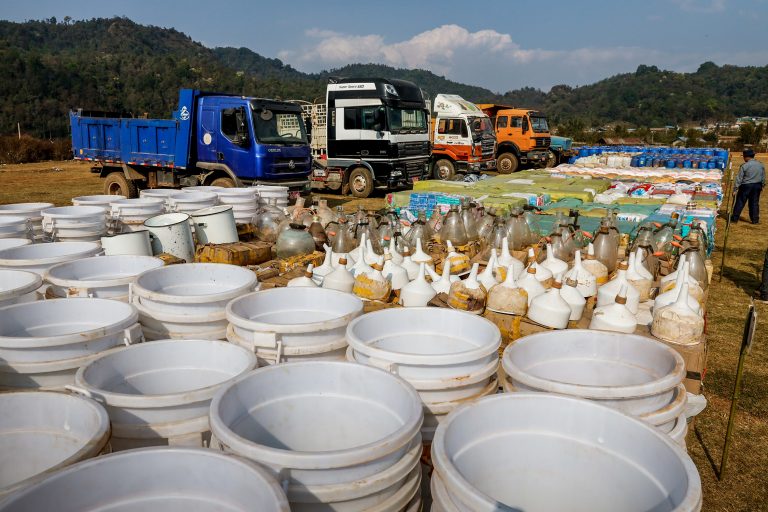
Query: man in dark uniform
749, 183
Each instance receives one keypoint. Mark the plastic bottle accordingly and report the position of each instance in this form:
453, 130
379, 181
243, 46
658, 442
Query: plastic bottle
340, 279
586, 282
606, 248
508, 297
453, 229
615, 316
607, 292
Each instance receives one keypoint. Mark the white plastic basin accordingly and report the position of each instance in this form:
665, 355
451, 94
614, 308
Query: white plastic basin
106, 277
18, 286
39, 257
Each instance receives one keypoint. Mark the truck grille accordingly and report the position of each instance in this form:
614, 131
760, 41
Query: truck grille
412, 148
414, 168
284, 164
543, 142
488, 147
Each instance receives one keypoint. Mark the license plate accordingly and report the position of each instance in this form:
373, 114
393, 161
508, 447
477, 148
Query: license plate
318, 172
294, 194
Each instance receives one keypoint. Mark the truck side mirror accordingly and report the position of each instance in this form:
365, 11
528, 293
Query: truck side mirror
525, 124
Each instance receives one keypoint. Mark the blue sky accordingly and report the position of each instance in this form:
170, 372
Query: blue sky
501, 45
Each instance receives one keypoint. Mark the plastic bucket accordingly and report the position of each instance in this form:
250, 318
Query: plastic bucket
268, 192
40, 257
131, 213
449, 356
160, 193
215, 225
33, 212
42, 432
543, 452
291, 324
132, 243
105, 277
171, 233
18, 286
188, 202
244, 202
72, 223
168, 479
339, 436
43, 343
103, 201
634, 374
159, 393
189, 300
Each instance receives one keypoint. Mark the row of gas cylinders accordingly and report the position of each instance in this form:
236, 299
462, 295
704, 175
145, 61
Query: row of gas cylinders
337, 430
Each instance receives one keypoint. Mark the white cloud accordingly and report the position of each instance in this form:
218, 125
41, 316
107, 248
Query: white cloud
704, 6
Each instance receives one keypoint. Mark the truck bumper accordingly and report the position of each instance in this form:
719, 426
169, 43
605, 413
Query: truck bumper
487, 165
537, 157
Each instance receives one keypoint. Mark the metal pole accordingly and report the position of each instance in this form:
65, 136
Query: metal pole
746, 344
729, 205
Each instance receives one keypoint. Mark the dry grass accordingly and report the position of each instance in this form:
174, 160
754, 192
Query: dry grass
745, 484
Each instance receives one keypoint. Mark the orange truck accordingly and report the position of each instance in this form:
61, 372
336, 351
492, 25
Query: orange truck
522, 137
462, 136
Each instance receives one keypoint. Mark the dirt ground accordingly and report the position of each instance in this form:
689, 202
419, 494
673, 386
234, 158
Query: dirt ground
744, 486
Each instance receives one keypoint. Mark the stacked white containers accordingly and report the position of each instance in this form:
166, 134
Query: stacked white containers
14, 226
75, 223
293, 323
189, 202
268, 192
43, 343
38, 258
18, 286
97, 200
189, 300
449, 356
130, 214
244, 202
33, 212
338, 436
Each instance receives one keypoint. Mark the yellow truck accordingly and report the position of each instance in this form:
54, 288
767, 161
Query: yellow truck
522, 137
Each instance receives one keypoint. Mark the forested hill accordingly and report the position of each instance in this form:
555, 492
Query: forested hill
48, 67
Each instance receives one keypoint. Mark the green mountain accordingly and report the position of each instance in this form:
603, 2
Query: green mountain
115, 64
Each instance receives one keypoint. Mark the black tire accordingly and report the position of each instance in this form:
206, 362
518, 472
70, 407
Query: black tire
507, 163
360, 182
551, 160
116, 184
223, 182
444, 169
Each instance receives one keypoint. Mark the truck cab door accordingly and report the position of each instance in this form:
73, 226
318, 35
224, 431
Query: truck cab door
503, 131
207, 134
235, 140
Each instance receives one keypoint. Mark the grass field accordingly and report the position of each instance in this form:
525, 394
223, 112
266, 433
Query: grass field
745, 484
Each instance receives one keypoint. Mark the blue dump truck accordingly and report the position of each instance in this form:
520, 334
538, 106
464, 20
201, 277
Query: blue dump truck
212, 139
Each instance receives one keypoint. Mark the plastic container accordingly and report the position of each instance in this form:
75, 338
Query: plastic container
18, 286
38, 258
43, 432
171, 233
634, 374
159, 393
105, 277
102, 201
540, 452
10, 243
43, 343
130, 214
13, 226
339, 436
277, 192
244, 202
75, 223
159, 193
448, 356
189, 300
130, 243
215, 225
151, 479
33, 212
293, 324
189, 202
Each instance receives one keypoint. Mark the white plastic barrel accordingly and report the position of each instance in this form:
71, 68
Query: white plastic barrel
18, 286
244, 202
449, 356
105, 277
129, 243
338, 436
10, 243
103, 200
634, 374
43, 343
540, 452
33, 212
42, 432
167, 479
159, 393
14, 226
293, 323
171, 233
215, 225
75, 223
40, 257
189, 300
130, 214
188, 202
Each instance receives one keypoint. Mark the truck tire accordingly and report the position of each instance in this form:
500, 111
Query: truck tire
552, 159
360, 182
116, 184
223, 182
507, 163
443, 169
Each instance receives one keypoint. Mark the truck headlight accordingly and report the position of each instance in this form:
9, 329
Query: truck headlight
397, 173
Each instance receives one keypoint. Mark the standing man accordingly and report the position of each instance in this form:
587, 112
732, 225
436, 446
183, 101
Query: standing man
749, 183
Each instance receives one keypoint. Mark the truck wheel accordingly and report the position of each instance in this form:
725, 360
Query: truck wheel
360, 182
444, 169
507, 163
223, 182
551, 159
116, 184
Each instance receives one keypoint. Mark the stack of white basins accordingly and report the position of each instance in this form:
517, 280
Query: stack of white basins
33, 212
244, 202
278, 192
75, 223
130, 214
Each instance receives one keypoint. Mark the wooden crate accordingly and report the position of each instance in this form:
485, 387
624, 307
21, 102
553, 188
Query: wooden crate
237, 253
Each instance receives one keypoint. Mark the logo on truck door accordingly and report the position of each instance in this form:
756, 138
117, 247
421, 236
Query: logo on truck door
184, 114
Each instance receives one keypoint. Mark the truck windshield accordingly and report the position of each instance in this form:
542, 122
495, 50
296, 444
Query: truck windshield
407, 120
272, 127
539, 124
481, 128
